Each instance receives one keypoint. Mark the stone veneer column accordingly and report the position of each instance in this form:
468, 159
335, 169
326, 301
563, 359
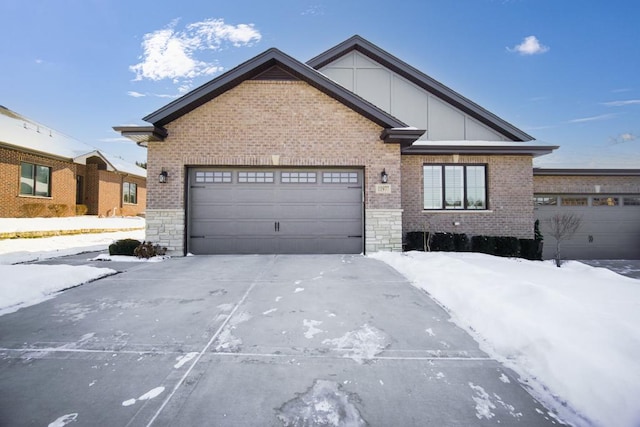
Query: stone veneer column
166, 228
383, 230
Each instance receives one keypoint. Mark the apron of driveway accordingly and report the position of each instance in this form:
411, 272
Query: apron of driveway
324, 340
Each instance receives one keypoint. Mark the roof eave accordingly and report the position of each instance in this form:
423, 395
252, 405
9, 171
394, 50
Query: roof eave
142, 135
532, 150
404, 136
424, 81
541, 171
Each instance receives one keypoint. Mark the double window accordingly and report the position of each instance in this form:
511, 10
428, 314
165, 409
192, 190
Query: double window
130, 192
35, 180
455, 187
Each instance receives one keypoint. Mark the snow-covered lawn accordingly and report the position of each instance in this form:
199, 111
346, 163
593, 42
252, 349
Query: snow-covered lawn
24, 285
571, 333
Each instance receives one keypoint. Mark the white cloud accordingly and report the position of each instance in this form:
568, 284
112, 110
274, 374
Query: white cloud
593, 118
174, 54
39, 61
621, 103
135, 94
316, 9
622, 138
529, 46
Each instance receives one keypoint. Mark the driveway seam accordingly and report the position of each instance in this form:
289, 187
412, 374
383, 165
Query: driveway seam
208, 345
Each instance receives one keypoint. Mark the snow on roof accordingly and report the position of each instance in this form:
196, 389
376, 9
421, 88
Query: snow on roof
22, 132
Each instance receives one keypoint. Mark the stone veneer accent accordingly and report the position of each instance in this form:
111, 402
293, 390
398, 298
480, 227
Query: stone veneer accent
383, 230
166, 228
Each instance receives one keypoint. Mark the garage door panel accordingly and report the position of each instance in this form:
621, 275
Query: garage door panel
606, 232
276, 217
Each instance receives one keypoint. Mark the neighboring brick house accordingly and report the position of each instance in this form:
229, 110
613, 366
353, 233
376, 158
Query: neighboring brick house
45, 173
344, 154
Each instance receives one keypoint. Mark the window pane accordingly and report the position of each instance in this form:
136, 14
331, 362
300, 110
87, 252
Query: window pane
432, 187
476, 188
605, 201
632, 201
133, 193
454, 188
573, 201
26, 179
125, 192
545, 201
42, 181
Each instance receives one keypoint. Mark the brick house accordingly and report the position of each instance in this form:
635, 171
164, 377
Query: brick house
45, 173
344, 154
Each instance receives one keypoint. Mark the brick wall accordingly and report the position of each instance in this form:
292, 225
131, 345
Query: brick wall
549, 184
110, 202
510, 192
63, 184
256, 120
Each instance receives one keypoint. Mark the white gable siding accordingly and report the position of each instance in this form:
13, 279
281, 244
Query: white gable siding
406, 101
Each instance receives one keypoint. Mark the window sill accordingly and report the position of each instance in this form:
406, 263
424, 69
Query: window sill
129, 204
27, 196
456, 211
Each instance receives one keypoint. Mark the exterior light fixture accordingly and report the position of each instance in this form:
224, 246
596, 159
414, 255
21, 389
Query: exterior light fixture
162, 178
384, 178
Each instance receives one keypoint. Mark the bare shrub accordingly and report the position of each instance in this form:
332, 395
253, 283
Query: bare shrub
562, 227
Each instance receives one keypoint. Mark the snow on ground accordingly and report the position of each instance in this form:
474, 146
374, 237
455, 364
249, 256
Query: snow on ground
86, 222
24, 285
571, 333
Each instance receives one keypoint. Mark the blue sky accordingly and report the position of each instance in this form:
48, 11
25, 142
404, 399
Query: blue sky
566, 72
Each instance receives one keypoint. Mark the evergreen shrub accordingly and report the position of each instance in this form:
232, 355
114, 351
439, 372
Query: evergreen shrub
124, 247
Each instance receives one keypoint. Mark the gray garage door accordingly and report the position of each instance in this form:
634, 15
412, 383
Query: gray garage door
275, 211
610, 225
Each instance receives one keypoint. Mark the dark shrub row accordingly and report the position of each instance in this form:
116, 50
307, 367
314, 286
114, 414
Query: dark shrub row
492, 245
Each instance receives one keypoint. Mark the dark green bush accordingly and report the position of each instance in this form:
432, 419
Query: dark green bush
461, 243
531, 249
484, 244
442, 242
149, 250
415, 241
507, 246
124, 247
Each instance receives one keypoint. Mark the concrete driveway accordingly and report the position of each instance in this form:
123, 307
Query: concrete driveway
251, 341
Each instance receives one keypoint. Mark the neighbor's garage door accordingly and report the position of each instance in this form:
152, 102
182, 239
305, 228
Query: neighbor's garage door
610, 226
269, 211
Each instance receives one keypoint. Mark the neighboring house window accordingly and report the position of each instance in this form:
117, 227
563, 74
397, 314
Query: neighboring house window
35, 180
455, 187
130, 192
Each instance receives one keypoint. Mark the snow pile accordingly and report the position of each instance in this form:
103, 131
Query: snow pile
571, 331
25, 285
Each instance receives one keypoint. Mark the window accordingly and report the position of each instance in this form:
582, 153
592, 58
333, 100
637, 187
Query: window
632, 201
298, 177
340, 177
455, 187
35, 180
545, 200
217, 177
605, 201
130, 192
574, 201
261, 177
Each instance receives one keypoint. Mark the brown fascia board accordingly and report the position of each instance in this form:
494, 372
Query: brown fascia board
421, 79
533, 150
258, 65
585, 172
